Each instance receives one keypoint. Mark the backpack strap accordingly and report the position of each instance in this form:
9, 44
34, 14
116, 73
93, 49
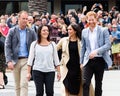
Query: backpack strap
53, 45
35, 46
34, 51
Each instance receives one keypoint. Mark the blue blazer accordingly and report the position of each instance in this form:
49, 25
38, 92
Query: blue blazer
12, 43
103, 43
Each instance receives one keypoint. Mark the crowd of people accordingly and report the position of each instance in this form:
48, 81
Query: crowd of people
77, 46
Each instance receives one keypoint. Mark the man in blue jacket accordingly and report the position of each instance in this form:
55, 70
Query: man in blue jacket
94, 54
17, 45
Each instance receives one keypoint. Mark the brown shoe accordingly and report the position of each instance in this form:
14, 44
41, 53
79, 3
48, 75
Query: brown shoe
113, 68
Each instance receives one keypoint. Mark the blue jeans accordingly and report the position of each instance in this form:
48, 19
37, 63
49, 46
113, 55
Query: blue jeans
41, 79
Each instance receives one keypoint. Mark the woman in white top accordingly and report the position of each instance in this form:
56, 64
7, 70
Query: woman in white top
44, 58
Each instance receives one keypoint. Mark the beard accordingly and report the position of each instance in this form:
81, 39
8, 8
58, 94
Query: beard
92, 24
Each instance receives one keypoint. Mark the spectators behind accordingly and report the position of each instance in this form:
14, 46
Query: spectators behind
2, 65
96, 7
3, 27
12, 20
37, 23
71, 13
116, 46
83, 23
44, 21
55, 31
30, 21
3, 33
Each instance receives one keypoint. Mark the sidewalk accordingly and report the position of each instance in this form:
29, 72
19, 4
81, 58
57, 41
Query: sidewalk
9, 88
111, 85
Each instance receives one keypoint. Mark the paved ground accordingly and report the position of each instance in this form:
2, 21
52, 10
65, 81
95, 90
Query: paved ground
9, 88
111, 85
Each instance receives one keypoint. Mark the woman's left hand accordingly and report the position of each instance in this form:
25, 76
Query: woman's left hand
58, 76
28, 76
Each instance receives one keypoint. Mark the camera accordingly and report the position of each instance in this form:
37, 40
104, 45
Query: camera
96, 8
96, 5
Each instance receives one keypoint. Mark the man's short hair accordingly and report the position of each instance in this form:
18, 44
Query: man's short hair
22, 12
91, 13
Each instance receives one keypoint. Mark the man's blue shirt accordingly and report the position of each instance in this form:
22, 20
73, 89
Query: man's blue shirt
23, 51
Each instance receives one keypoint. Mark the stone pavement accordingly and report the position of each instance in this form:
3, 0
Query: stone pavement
9, 88
111, 85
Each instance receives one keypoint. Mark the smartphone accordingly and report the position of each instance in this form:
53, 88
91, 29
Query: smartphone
85, 8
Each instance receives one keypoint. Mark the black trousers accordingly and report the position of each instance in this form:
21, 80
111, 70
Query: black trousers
94, 66
41, 79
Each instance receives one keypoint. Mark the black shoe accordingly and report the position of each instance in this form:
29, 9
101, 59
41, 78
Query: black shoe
5, 79
115, 67
2, 86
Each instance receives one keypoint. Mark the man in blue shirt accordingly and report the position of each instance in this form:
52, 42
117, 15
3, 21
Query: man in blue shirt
17, 45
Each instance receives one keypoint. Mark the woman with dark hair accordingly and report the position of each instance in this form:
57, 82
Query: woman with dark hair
43, 55
70, 62
70, 66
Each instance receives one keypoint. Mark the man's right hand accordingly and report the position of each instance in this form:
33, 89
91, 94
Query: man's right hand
10, 65
81, 66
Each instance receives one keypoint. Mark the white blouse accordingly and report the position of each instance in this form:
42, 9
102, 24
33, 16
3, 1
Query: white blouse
45, 57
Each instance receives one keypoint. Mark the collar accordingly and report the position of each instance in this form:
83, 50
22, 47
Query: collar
95, 29
22, 29
69, 38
